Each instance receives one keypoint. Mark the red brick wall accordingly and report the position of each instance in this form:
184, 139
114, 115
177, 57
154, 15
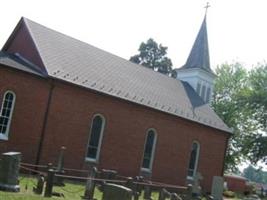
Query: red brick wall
69, 120
28, 114
70, 116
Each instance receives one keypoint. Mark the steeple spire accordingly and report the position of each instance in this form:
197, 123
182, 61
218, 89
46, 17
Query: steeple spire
199, 55
197, 71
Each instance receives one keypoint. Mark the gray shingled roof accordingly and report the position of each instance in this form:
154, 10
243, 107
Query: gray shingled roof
199, 54
18, 62
79, 63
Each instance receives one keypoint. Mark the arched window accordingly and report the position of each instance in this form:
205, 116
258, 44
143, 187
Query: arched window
6, 113
96, 134
149, 151
194, 155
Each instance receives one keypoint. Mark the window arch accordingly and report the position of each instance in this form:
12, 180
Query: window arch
149, 150
6, 113
193, 162
95, 139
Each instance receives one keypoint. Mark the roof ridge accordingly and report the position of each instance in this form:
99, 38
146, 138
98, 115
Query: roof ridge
85, 43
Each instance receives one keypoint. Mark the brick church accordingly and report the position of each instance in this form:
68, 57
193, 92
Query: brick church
58, 91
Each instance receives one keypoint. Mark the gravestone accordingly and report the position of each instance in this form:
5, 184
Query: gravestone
174, 196
196, 188
40, 185
147, 191
60, 168
108, 174
9, 171
90, 184
164, 194
116, 192
217, 187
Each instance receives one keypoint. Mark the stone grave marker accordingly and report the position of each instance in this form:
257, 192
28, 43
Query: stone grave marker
40, 185
174, 196
217, 187
9, 171
116, 192
147, 191
196, 188
59, 169
90, 184
164, 194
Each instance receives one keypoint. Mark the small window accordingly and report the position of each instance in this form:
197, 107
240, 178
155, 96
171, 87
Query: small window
95, 140
194, 155
198, 88
208, 95
6, 114
149, 150
203, 92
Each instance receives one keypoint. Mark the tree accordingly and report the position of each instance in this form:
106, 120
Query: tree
238, 100
258, 102
153, 56
255, 175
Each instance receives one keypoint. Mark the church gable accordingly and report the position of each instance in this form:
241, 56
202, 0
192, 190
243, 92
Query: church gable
21, 43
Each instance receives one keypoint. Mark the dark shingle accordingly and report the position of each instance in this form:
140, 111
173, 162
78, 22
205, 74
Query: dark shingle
199, 54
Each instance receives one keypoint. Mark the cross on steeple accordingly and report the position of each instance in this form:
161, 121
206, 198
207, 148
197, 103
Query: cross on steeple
206, 7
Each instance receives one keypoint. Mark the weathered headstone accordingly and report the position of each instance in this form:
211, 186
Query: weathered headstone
116, 192
163, 194
147, 191
40, 185
196, 188
90, 185
9, 171
217, 187
136, 188
189, 194
49, 181
108, 174
174, 196
59, 169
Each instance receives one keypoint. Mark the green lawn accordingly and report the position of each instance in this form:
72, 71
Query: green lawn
71, 191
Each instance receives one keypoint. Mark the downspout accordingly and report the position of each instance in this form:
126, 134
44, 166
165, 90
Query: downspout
41, 141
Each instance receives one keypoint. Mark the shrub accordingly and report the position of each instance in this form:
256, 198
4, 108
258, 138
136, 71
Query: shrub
229, 194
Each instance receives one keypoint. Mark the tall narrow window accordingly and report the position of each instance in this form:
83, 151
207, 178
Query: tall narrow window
198, 88
96, 134
193, 160
208, 95
6, 113
149, 150
203, 92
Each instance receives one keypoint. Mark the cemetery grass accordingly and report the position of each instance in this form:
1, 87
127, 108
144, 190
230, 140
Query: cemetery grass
71, 191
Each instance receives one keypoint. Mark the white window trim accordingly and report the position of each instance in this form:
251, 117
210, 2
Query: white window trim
197, 159
95, 160
153, 151
5, 136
